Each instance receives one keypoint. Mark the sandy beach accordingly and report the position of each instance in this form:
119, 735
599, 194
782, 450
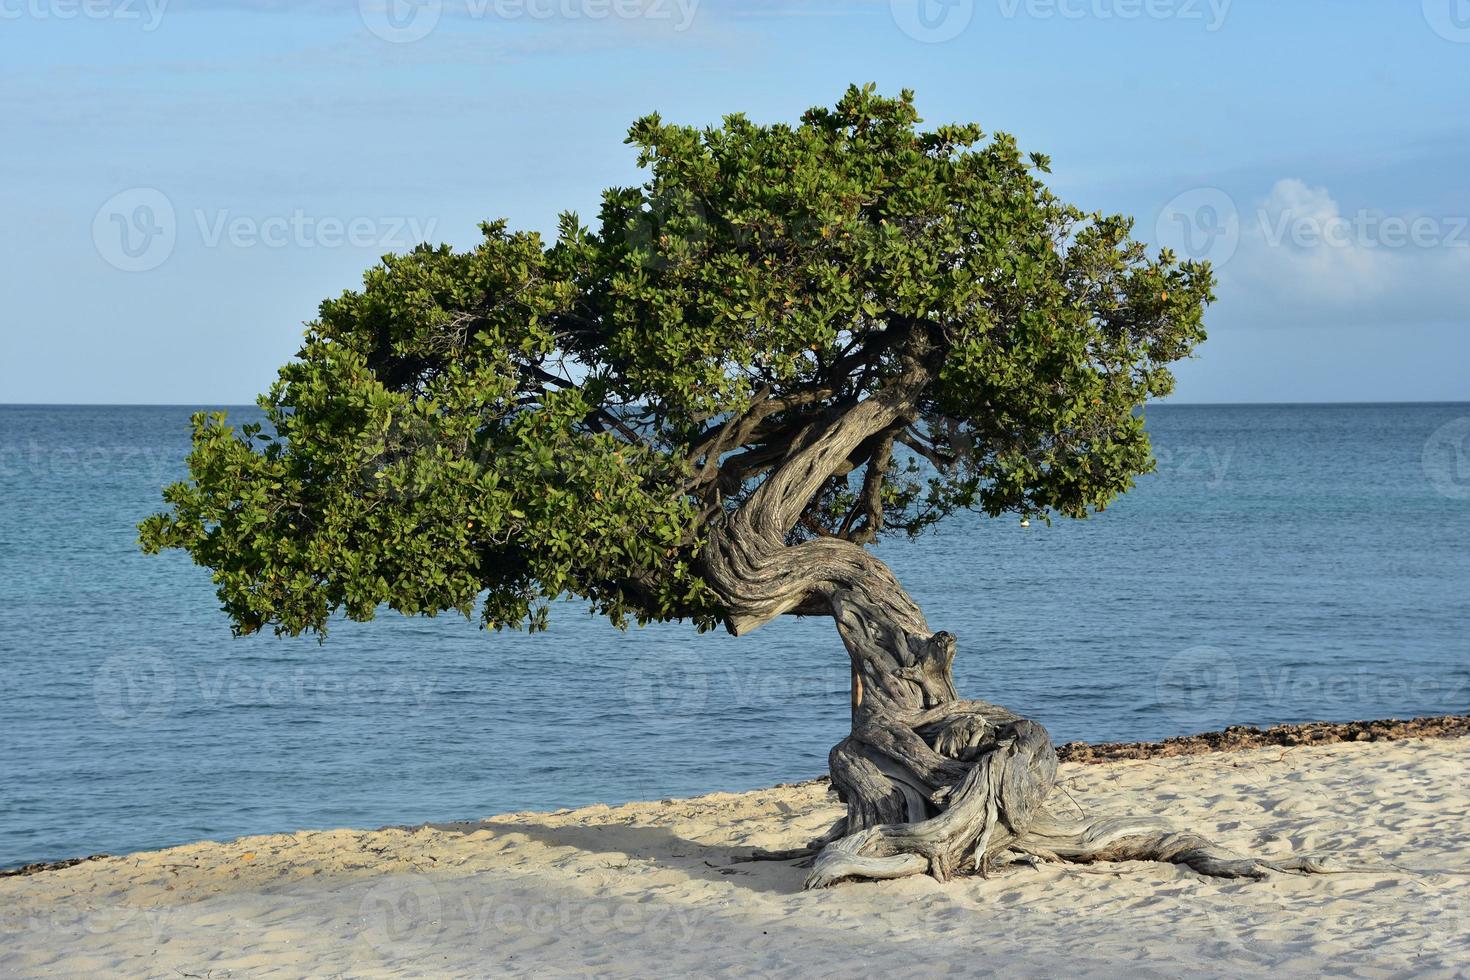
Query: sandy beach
652, 889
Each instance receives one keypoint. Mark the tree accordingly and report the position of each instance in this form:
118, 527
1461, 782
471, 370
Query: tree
789, 342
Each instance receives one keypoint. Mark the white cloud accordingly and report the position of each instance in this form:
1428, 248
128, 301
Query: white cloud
1303, 259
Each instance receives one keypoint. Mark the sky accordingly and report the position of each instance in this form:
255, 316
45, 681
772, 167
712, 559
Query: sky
183, 181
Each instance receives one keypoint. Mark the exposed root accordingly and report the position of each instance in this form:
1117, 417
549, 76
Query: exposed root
998, 809
898, 851
894, 852
848, 858
813, 847
987, 810
1308, 865
933, 783
1114, 839
1136, 839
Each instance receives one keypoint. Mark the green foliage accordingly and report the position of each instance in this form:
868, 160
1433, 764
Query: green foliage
499, 427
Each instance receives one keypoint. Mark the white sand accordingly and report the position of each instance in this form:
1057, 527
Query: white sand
647, 889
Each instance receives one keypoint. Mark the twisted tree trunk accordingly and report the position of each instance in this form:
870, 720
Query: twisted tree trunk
932, 783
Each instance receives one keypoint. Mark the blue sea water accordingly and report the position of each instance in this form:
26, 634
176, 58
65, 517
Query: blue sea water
1286, 563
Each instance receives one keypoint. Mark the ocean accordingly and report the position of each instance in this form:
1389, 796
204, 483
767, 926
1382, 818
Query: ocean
1286, 563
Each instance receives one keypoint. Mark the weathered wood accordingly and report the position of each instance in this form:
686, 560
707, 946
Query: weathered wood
932, 783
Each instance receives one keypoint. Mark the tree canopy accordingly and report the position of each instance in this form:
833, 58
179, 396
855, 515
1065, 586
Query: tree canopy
491, 429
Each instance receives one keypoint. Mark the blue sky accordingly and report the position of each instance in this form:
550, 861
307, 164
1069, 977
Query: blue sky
184, 181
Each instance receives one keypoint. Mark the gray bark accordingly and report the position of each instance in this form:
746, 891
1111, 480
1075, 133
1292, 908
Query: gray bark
932, 783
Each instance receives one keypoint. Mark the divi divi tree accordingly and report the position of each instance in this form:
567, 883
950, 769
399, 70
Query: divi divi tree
791, 341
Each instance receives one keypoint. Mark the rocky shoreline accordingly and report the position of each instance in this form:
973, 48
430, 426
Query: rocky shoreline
1238, 737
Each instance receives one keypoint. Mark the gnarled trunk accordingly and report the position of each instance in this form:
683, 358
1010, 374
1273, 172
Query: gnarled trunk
932, 783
